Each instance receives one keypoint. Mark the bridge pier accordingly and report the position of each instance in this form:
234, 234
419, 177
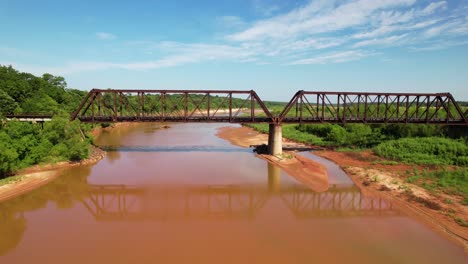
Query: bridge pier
275, 139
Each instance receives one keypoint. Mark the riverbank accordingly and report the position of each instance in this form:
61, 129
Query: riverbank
36, 176
378, 179
308, 172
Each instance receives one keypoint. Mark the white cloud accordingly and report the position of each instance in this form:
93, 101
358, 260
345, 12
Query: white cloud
317, 17
432, 7
392, 40
442, 28
338, 57
105, 36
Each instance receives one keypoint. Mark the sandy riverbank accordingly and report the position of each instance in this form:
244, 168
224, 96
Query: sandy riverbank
373, 179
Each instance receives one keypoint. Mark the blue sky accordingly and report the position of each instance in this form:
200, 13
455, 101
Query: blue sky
274, 47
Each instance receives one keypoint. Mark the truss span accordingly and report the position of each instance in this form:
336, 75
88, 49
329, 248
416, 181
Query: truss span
306, 107
373, 108
173, 106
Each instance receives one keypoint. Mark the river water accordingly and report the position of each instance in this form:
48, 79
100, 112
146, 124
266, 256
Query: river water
183, 195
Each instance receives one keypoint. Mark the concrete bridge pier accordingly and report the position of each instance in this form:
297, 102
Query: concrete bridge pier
275, 139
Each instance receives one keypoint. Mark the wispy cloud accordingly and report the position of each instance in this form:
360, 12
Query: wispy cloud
337, 57
317, 17
392, 40
105, 36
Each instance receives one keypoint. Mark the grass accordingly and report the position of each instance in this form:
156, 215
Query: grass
430, 150
386, 162
461, 222
413, 179
11, 179
447, 180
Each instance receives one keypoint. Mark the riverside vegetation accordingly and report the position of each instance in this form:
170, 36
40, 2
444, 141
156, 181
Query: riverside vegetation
23, 144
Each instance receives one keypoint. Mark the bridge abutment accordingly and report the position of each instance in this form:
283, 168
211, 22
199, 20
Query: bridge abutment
275, 139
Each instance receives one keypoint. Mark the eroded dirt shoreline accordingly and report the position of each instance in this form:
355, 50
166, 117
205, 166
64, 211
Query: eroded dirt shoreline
38, 175
373, 179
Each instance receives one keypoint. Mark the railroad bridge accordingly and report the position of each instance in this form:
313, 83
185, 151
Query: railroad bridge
305, 107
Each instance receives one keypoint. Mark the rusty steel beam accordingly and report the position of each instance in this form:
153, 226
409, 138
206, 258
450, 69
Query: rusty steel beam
378, 108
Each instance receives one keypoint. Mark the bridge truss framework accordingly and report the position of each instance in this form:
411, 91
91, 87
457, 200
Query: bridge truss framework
306, 107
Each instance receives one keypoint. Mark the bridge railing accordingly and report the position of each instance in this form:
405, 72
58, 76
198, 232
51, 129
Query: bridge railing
172, 106
355, 107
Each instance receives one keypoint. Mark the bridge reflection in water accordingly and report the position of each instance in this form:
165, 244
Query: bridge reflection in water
217, 202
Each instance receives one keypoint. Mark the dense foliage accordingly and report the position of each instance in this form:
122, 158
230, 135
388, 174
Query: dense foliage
24, 144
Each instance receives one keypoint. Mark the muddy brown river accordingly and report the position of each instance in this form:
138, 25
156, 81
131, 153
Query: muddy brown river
183, 195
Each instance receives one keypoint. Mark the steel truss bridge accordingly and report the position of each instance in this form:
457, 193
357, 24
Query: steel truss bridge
124, 203
305, 107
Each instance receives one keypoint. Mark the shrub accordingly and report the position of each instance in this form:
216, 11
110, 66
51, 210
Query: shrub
431, 150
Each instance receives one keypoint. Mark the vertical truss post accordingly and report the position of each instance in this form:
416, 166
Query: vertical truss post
115, 107
208, 106
143, 104
323, 107
230, 107
252, 106
338, 107
428, 105
407, 109
398, 108
163, 105
185, 106
344, 108
365, 108
386, 109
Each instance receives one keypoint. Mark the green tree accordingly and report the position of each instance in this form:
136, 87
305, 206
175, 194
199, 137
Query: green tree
7, 104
